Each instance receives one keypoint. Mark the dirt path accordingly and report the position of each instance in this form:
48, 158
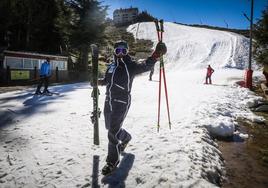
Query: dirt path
244, 162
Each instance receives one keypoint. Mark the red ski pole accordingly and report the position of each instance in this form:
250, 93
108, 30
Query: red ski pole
160, 80
164, 74
160, 31
159, 100
165, 84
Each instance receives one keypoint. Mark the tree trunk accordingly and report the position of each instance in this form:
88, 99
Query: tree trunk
28, 27
84, 58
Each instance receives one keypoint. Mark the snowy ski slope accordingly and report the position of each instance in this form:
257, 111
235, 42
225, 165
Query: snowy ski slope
195, 48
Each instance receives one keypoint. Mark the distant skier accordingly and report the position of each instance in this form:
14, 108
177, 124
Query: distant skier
118, 80
45, 73
209, 73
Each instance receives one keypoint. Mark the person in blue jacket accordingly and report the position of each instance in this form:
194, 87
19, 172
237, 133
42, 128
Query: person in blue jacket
118, 80
45, 73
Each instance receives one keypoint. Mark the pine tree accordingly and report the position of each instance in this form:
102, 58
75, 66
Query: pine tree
88, 27
32, 25
52, 26
5, 21
63, 25
144, 16
261, 38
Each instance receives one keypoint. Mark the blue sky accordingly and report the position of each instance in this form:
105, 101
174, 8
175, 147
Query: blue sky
209, 12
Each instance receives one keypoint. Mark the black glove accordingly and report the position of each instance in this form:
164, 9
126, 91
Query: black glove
160, 49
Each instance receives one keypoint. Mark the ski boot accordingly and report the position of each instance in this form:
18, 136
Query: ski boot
47, 92
123, 146
38, 93
108, 168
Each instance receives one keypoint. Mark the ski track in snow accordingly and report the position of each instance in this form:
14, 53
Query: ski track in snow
47, 141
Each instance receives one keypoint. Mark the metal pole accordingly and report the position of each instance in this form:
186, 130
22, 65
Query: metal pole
250, 40
249, 71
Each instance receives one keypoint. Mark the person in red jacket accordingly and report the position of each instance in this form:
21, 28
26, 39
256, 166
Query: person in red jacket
209, 73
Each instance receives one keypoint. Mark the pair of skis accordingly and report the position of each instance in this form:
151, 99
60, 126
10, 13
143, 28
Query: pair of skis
160, 30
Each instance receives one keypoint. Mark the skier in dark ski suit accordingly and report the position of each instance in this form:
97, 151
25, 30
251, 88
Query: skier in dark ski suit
118, 79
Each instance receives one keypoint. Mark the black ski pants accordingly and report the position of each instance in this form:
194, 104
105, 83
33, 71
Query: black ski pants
43, 80
208, 78
151, 73
115, 112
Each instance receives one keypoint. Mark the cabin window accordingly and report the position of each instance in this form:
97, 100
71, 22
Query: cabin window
15, 63
59, 64
35, 63
27, 64
31, 63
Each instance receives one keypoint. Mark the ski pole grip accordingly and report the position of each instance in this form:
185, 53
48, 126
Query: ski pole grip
156, 25
161, 25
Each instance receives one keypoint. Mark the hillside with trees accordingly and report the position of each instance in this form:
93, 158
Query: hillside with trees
52, 26
68, 28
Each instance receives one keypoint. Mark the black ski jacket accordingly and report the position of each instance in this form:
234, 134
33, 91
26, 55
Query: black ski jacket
119, 77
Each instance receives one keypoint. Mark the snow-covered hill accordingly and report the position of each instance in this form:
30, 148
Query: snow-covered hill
48, 141
195, 48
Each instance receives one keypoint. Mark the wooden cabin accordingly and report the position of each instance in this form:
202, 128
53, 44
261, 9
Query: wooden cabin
23, 67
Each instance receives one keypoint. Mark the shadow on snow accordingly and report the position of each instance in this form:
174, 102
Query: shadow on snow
118, 177
28, 104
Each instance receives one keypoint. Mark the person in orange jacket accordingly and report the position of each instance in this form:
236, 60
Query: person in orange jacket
209, 73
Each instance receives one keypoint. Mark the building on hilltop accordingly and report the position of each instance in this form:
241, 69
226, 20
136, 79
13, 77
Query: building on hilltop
121, 16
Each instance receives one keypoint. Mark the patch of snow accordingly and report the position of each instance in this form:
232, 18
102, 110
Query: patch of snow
244, 136
222, 126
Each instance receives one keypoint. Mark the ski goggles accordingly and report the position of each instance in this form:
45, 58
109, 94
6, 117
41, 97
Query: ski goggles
119, 51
